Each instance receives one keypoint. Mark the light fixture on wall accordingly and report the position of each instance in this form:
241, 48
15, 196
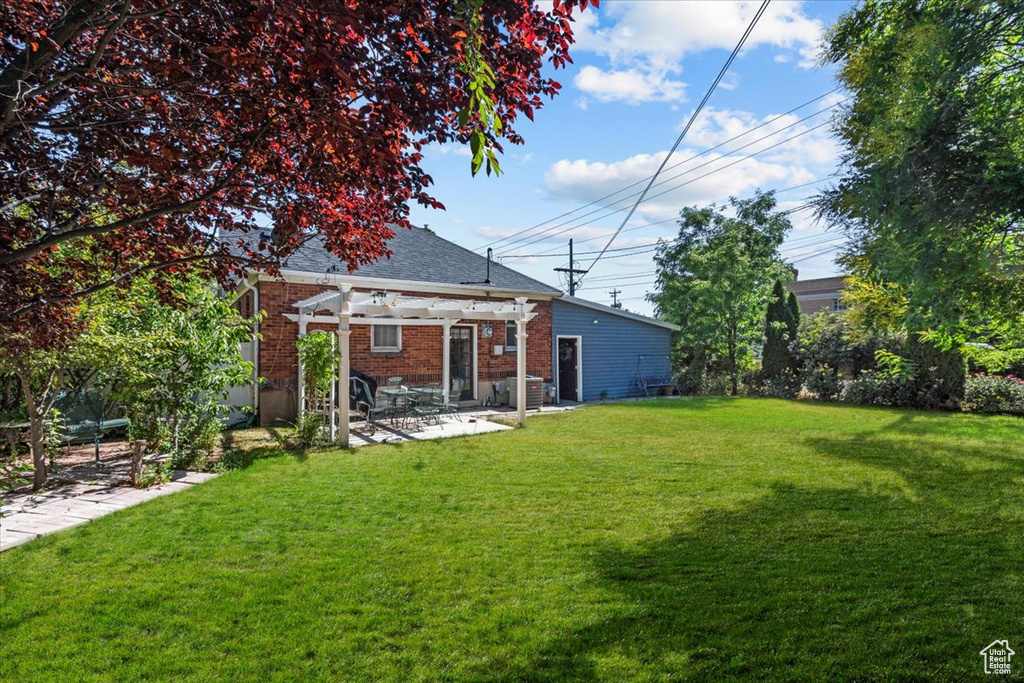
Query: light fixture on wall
595, 321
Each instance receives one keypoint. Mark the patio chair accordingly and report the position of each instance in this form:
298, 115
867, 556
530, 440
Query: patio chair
452, 407
368, 407
430, 405
394, 382
400, 407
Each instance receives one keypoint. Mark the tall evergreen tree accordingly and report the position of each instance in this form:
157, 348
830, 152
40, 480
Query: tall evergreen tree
779, 333
793, 307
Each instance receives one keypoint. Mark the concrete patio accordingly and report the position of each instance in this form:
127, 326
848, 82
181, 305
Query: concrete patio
476, 420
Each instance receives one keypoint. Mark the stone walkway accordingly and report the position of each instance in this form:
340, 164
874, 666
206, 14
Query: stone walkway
29, 515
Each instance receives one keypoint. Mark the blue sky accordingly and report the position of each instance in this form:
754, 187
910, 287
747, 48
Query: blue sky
640, 68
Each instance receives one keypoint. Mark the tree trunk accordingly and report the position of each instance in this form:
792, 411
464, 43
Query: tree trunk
38, 447
35, 431
138, 448
733, 374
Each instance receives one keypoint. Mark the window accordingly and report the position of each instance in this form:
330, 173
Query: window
386, 338
510, 337
838, 306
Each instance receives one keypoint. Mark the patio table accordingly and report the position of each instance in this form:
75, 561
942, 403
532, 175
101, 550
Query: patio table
394, 395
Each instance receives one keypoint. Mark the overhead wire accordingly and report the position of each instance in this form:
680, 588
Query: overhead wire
664, 192
686, 129
767, 122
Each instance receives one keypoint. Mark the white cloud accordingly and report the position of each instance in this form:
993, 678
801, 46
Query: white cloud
629, 85
450, 148
813, 147
693, 177
584, 181
666, 31
645, 42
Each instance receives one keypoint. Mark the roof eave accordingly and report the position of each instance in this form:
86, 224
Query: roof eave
305, 277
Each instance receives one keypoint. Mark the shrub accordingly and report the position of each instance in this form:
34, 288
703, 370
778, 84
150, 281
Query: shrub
783, 384
823, 383
994, 394
147, 425
153, 475
308, 428
199, 435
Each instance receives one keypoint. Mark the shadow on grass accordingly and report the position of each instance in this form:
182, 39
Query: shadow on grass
241, 448
679, 403
871, 582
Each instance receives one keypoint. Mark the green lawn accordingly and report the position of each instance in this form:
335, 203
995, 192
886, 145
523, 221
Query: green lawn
670, 540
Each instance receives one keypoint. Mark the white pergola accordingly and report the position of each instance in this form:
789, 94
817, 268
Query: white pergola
345, 307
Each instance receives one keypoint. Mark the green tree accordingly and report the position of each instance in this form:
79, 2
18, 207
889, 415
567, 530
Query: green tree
174, 353
716, 278
933, 174
780, 330
42, 375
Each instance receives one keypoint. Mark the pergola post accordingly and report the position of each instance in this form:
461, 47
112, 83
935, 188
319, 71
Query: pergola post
302, 379
332, 429
344, 364
521, 363
446, 359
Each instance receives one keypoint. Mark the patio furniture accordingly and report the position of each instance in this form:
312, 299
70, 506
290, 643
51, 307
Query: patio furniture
452, 407
430, 404
367, 406
14, 433
400, 404
394, 382
85, 415
648, 380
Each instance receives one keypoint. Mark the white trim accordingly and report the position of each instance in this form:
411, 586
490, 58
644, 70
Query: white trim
385, 349
473, 370
509, 348
579, 366
374, 283
583, 303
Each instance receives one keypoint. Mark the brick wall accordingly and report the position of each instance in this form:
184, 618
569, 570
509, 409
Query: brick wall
419, 360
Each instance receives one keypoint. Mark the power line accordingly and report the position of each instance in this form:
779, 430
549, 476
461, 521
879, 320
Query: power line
768, 122
547, 252
512, 242
679, 140
674, 187
817, 240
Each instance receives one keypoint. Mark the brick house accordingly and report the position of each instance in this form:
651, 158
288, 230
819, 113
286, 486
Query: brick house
422, 264
819, 294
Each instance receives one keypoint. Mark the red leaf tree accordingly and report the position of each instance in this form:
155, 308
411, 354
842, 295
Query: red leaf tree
131, 130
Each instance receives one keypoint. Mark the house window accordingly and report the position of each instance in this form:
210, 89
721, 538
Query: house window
510, 337
838, 306
386, 338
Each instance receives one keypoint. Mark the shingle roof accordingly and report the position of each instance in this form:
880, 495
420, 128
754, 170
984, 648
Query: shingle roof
618, 311
418, 255
821, 284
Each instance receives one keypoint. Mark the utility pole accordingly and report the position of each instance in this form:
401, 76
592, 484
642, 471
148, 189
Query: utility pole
572, 272
615, 298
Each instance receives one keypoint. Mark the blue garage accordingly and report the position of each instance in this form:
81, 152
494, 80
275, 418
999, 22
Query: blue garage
604, 352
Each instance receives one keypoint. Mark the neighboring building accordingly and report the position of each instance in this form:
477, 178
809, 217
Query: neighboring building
600, 351
480, 352
821, 294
